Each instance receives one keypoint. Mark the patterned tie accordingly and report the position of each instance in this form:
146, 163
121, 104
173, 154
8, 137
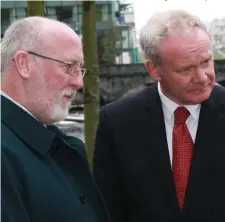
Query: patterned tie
182, 153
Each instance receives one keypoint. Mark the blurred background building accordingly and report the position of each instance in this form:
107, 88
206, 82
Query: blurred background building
217, 29
115, 25
117, 35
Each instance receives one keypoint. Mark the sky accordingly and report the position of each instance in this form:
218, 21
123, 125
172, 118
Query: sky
205, 9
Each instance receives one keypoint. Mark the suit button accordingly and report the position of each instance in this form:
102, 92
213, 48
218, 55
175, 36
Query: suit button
82, 198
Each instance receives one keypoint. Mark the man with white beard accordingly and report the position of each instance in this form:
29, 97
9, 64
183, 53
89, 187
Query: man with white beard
45, 173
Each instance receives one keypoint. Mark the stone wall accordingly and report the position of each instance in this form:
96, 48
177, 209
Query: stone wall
117, 81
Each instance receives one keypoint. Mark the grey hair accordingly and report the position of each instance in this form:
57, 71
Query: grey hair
161, 25
23, 34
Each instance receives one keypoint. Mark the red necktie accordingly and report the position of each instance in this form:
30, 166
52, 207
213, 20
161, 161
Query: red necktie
182, 152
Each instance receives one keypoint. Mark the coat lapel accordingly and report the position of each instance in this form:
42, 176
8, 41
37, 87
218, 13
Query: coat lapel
27, 128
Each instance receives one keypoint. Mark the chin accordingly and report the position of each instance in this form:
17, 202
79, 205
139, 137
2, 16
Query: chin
59, 114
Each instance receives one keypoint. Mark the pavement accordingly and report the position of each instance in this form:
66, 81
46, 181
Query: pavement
73, 125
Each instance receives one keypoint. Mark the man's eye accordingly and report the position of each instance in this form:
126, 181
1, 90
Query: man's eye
69, 68
186, 69
206, 61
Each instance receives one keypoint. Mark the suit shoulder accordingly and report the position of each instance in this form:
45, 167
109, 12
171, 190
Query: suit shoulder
218, 93
132, 101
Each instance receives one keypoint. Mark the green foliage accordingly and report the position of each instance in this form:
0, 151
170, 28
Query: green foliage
107, 46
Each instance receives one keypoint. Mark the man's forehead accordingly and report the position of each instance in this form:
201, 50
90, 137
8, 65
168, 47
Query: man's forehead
70, 52
77, 60
182, 39
62, 36
185, 43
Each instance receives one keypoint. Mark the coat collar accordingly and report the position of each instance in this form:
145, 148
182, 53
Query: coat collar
27, 128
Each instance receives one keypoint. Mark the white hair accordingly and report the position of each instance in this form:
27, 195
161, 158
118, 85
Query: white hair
23, 34
161, 25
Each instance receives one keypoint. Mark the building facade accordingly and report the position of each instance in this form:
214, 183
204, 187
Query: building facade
112, 42
217, 30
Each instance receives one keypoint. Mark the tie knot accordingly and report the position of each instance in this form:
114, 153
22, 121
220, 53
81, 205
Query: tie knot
181, 114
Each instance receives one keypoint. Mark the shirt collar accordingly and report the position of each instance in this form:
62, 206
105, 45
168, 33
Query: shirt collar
169, 106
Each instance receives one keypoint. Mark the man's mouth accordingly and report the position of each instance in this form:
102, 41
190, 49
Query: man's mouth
198, 90
69, 94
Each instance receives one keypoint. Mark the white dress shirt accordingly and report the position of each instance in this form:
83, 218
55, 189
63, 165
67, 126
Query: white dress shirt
169, 107
8, 97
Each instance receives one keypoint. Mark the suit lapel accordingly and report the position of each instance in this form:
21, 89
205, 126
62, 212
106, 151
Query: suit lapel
157, 144
209, 135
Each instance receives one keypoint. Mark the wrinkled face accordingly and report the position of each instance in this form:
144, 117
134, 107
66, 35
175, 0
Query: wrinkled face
53, 89
186, 72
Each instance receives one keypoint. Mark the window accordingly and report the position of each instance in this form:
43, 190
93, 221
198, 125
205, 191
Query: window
64, 13
50, 10
105, 13
125, 37
77, 14
99, 13
75, 10
21, 12
5, 19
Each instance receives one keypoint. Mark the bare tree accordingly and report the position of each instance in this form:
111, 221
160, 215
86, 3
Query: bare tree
91, 79
35, 8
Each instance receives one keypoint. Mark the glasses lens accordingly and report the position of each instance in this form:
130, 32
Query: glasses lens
83, 71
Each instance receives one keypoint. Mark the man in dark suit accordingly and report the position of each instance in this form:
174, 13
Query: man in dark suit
160, 153
45, 174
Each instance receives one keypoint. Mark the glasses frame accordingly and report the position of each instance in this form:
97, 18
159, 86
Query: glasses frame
83, 70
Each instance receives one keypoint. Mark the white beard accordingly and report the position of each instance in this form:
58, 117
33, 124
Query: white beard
60, 110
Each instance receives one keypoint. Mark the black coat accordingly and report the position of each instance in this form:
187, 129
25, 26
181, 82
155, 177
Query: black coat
45, 174
132, 166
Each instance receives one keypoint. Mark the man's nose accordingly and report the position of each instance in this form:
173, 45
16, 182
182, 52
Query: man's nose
201, 76
77, 81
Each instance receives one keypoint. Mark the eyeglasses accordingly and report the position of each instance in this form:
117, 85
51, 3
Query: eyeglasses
71, 67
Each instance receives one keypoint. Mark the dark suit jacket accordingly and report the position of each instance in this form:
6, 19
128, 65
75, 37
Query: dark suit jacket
45, 174
132, 167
